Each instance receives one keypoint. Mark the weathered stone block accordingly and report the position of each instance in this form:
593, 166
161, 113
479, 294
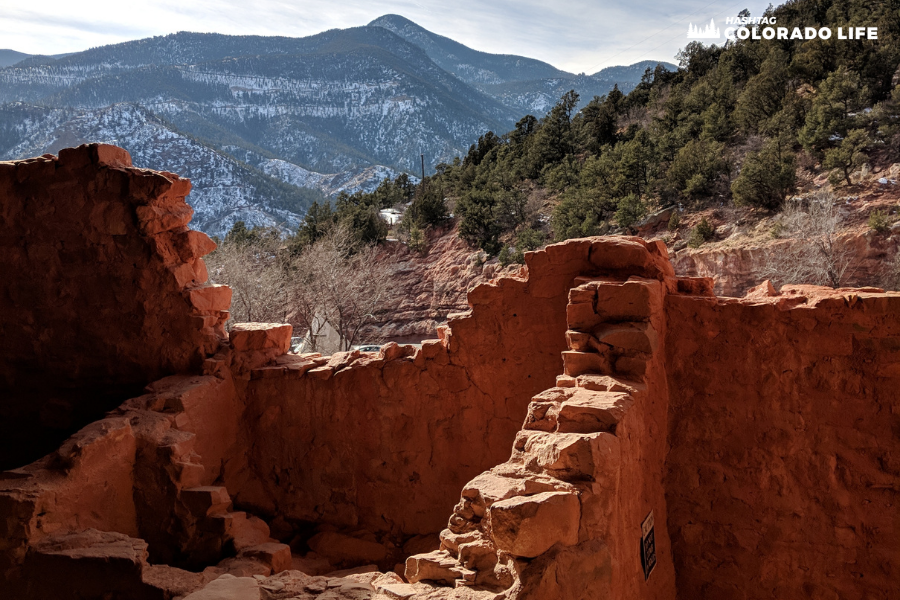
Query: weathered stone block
277, 556
210, 297
579, 363
247, 337
528, 526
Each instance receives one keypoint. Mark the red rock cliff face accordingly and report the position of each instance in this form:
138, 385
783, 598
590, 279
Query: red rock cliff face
101, 291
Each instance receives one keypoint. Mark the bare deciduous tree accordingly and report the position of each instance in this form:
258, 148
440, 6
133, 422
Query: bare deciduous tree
815, 253
254, 272
332, 286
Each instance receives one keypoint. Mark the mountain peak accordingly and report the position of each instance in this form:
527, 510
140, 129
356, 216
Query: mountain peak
470, 65
391, 19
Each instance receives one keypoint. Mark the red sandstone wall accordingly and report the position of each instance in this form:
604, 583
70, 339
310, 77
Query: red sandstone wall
560, 519
784, 468
99, 292
387, 446
783, 430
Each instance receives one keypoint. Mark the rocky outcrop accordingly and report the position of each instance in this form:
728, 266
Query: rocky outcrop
604, 428
749, 253
736, 269
430, 286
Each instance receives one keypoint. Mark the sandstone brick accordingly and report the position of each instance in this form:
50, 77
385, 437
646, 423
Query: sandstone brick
210, 297
95, 563
578, 341
171, 581
528, 526
763, 290
628, 337
192, 245
246, 337
588, 412
398, 591
276, 556
570, 456
695, 286
156, 219
245, 530
631, 367
110, 156
629, 301
582, 317
437, 566
579, 363
617, 254
228, 587
541, 416
605, 383
582, 295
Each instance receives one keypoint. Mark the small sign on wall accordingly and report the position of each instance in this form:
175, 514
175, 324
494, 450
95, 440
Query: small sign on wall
648, 546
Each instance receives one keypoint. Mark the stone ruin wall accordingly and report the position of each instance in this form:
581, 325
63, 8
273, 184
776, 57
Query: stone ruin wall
101, 292
761, 433
784, 469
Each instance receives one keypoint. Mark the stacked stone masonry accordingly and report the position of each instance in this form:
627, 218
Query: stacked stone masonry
573, 400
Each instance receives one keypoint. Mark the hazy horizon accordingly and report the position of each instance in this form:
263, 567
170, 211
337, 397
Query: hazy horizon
575, 35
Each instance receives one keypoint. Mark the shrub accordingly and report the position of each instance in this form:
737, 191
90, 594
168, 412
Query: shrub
878, 220
576, 216
701, 234
777, 230
674, 221
417, 241
847, 157
696, 168
527, 240
479, 226
816, 254
427, 208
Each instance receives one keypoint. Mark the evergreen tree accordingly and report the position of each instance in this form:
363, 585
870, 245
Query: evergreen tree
847, 157
766, 177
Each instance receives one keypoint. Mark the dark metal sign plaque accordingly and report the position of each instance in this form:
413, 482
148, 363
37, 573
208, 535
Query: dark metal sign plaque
648, 546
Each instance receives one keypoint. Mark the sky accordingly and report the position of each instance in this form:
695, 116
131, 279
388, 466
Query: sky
573, 35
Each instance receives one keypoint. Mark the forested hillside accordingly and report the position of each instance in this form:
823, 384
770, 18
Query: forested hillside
735, 124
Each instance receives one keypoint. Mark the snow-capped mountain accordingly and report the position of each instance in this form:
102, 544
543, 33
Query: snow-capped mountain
364, 179
264, 126
224, 190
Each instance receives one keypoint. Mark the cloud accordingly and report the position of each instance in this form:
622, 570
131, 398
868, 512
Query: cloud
575, 35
